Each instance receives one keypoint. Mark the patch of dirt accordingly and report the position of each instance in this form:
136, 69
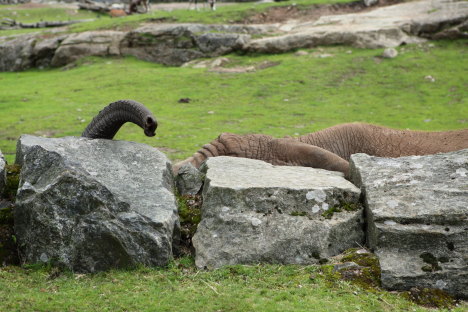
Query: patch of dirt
310, 13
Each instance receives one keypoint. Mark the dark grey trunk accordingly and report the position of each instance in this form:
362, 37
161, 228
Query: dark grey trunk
106, 124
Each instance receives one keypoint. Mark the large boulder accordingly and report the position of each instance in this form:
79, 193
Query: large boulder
255, 212
23, 52
90, 43
91, 205
15, 52
417, 217
176, 44
388, 26
2, 174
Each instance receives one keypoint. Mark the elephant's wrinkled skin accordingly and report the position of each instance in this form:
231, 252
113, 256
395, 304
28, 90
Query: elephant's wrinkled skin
331, 148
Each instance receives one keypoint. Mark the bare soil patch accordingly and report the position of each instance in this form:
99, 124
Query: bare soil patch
311, 13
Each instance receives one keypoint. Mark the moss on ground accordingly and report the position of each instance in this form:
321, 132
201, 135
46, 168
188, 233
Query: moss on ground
12, 181
189, 207
8, 247
430, 297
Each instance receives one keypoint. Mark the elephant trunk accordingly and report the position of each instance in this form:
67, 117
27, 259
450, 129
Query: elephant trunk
106, 124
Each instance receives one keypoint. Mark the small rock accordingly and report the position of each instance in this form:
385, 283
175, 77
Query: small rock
324, 55
430, 78
389, 53
219, 62
189, 180
301, 53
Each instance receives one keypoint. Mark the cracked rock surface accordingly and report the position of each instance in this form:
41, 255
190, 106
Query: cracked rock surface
417, 215
255, 212
92, 205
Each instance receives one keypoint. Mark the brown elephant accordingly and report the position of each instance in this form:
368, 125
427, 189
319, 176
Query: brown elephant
331, 148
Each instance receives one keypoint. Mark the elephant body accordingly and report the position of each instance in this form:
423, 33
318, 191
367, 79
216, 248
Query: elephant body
331, 148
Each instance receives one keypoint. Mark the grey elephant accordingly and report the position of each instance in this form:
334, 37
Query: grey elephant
328, 149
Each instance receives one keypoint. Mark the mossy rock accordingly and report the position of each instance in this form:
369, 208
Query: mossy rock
367, 272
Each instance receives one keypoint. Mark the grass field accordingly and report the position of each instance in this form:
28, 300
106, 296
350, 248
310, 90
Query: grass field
424, 88
299, 95
183, 288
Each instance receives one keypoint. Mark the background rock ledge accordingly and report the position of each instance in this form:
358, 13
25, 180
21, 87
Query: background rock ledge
417, 214
91, 205
255, 212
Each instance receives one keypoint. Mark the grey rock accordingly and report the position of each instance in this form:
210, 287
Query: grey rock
390, 53
15, 52
384, 27
90, 43
44, 51
91, 205
189, 180
2, 174
255, 212
176, 44
417, 218
23, 52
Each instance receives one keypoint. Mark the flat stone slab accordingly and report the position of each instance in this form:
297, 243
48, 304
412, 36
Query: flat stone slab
417, 214
389, 26
91, 205
255, 212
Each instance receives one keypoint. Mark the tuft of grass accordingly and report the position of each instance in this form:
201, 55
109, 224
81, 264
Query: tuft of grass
300, 95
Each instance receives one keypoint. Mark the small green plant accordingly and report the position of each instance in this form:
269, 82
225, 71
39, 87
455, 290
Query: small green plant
12, 181
368, 276
343, 206
298, 213
189, 207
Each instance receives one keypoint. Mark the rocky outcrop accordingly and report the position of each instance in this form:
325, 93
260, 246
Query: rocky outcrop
176, 44
417, 218
15, 53
2, 174
90, 43
255, 212
27, 51
390, 26
91, 205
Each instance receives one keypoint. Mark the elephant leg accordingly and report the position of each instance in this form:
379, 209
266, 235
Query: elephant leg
290, 152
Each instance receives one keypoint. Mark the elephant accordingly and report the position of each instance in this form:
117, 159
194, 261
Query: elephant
328, 149
331, 148
109, 120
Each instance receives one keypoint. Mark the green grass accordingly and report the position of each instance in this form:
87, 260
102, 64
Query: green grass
183, 288
300, 95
